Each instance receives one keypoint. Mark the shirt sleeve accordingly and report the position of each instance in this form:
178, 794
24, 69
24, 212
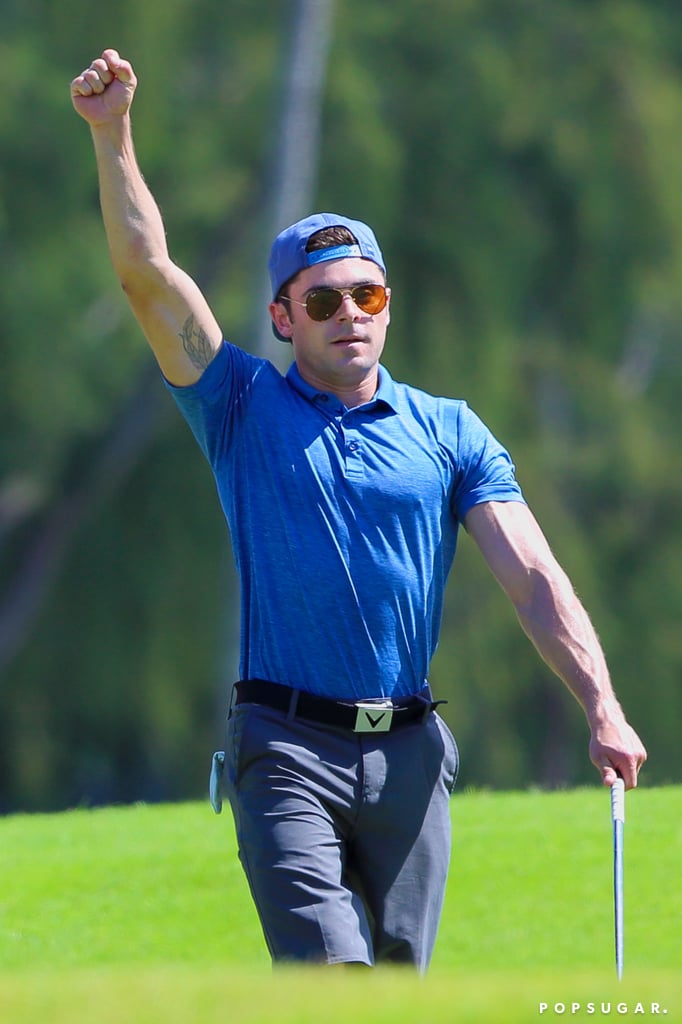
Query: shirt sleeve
485, 471
214, 403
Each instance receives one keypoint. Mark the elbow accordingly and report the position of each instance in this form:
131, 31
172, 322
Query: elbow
531, 587
542, 593
133, 285
141, 279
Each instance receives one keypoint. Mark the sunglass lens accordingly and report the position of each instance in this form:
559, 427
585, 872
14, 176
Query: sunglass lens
370, 298
323, 304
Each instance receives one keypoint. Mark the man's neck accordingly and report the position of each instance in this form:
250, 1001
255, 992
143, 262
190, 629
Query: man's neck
351, 394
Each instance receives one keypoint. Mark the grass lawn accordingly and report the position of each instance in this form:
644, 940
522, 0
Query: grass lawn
141, 914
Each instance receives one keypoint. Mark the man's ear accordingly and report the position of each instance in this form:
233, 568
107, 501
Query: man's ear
280, 318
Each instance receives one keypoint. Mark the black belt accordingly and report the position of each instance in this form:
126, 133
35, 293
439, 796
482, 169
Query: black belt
374, 715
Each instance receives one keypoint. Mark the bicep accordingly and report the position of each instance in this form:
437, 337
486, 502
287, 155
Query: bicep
514, 547
177, 322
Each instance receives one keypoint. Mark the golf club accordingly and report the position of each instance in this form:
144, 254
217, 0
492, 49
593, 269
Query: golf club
618, 818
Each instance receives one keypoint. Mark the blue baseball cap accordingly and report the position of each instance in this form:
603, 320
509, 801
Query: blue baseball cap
288, 255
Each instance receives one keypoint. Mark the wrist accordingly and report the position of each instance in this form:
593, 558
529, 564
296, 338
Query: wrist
113, 129
603, 711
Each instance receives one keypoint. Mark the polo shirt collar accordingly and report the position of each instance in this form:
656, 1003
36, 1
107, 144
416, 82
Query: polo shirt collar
385, 395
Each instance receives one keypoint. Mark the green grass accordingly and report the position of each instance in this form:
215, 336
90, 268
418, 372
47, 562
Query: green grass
141, 914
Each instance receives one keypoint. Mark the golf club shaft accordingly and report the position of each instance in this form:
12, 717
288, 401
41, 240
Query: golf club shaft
618, 817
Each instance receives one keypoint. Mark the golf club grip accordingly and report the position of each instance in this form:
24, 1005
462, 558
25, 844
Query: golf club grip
618, 800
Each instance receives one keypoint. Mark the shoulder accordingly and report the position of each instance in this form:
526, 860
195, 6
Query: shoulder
448, 419
231, 372
411, 400
218, 404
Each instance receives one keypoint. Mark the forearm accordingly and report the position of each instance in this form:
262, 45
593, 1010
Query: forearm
132, 221
559, 627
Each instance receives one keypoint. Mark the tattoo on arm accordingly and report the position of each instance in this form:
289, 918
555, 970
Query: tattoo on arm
196, 343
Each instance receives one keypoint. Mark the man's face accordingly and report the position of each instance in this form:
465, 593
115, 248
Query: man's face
343, 351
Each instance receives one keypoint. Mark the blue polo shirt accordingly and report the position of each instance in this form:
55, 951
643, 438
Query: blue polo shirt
343, 521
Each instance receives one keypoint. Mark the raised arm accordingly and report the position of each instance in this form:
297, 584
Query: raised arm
170, 308
554, 619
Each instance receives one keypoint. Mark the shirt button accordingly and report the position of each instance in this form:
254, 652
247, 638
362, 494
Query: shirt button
353, 446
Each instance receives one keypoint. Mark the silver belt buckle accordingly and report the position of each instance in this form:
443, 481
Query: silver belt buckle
373, 716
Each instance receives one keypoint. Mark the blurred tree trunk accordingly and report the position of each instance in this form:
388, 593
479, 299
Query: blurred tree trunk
295, 157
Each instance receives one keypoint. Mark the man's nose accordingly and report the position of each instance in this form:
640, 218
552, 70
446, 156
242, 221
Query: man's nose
348, 306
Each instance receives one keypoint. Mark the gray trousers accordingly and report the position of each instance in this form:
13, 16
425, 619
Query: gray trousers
344, 837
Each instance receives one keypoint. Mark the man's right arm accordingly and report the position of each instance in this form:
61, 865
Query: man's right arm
173, 313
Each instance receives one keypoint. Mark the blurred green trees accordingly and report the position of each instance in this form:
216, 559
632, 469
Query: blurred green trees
520, 163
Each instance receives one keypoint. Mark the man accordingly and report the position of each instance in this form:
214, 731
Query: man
343, 491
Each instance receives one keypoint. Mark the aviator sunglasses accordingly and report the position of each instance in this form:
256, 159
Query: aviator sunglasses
322, 303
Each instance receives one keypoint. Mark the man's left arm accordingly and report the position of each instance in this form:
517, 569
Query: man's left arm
556, 622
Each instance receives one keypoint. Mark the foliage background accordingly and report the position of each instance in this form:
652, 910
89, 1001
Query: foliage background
520, 162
